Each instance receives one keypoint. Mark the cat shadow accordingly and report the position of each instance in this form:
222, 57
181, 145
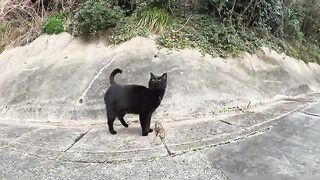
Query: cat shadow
130, 131
133, 129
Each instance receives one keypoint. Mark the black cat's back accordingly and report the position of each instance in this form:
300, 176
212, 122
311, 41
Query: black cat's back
131, 99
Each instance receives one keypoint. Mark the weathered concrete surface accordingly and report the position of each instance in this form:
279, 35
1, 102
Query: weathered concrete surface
290, 148
283, 140
92, 143
44, 80
16, 165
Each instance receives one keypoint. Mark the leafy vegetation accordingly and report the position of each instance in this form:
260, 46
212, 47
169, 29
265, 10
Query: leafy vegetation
215, 39
216, 27
54, 24
126, 29
94, 16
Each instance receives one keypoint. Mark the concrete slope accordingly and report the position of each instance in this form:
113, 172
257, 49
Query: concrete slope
45, 80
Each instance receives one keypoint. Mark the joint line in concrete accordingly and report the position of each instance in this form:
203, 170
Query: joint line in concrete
226, 122
311, 114
92, 81
77, 139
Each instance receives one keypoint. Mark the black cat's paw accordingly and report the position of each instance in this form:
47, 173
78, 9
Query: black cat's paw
150, 130
124, 124
144, 134
113, 132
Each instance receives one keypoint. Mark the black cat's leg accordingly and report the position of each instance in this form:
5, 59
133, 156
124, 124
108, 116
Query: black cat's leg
145, 119
120, 117
111, 117
149, 122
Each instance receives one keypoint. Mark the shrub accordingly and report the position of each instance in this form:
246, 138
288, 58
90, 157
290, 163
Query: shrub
54, 24
210, 36
292, 23
94, 16
126, 29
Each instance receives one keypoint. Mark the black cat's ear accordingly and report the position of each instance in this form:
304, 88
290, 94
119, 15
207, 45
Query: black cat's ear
152, 76
164, 76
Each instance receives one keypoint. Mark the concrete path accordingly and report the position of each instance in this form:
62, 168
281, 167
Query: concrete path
276, 138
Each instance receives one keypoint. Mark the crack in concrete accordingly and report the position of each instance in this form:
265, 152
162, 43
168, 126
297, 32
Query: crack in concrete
28, 153
297, 100
92, 81
77, 139
222, 173
237, 139
240, 138
310, 114
226, 122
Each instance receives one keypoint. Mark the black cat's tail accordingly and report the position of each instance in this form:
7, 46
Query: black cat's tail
114, 72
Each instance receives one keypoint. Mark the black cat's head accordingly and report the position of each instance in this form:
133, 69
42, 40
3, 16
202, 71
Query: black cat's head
158, 82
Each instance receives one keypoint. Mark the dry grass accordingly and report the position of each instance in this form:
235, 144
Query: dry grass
20, 23
20, 20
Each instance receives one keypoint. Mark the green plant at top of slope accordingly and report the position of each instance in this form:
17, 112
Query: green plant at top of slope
292, 22
94, 16
210, 36
307, 52
126, 29
156, 19
54, 23
142, 23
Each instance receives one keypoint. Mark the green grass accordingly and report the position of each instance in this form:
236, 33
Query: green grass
154, 19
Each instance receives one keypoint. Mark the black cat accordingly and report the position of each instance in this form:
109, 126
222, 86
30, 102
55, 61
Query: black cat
134, 99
